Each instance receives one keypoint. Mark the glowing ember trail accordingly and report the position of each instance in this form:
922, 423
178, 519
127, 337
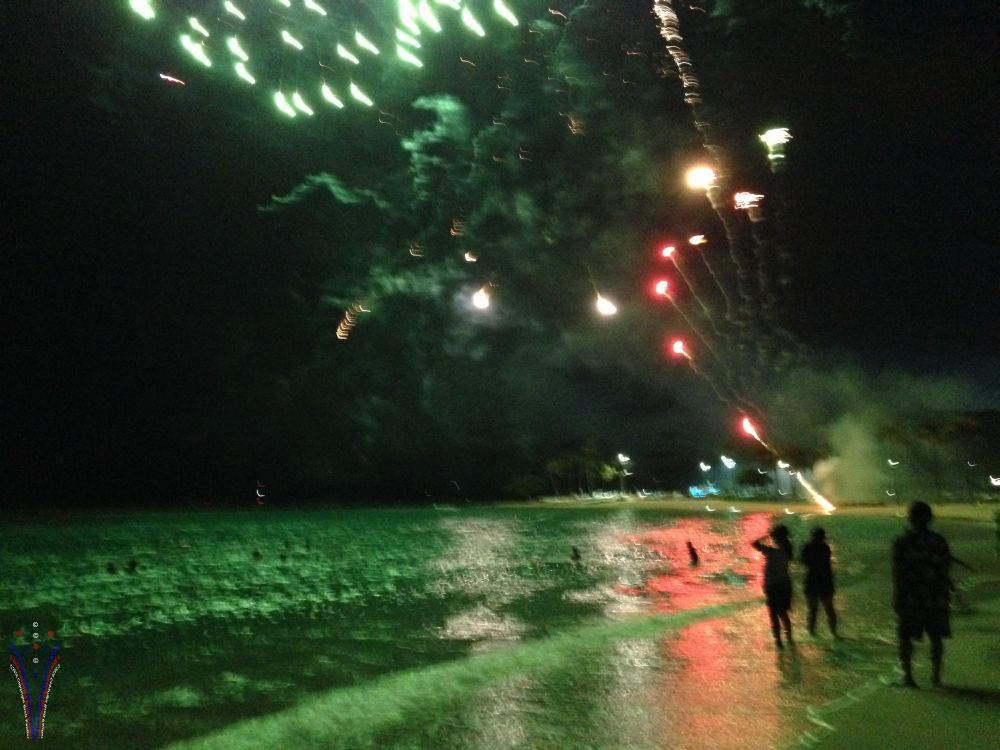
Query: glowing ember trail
669, 252
678, 347
825, 504
750, 430
744, 201
286, 45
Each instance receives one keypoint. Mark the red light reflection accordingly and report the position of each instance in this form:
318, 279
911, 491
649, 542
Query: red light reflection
731, 707
728, 566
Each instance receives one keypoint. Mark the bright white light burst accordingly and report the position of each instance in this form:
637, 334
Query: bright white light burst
605, 306
701, 178
775, 137
481, 299
744, 201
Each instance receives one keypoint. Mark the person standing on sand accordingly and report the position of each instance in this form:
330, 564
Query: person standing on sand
777, 581
921, 588
819, 580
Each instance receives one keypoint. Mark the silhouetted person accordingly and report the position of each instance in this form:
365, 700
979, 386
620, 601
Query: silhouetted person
111, 568
575, 557
819, 580
131, 566
921, 590
777, 582
257, 556
693, 553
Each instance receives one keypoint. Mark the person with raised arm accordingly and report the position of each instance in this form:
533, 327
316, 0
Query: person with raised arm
777, 581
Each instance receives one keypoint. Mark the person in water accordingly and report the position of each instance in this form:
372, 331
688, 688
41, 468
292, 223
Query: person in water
819, 580
693, 554
777, 581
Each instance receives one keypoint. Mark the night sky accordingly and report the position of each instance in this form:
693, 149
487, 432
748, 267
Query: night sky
181, 256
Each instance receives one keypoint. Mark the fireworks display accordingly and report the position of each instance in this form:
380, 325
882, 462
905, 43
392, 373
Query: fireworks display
312, 58
775, 140
305, 55
479, 110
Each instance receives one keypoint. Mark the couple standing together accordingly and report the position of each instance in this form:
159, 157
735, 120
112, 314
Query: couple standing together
778, 583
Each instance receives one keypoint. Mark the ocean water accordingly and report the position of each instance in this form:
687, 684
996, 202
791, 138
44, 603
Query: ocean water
427, 628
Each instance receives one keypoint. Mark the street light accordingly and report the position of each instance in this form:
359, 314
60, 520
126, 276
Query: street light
730, 464
624, 461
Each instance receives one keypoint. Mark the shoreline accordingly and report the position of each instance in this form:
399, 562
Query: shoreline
976, 512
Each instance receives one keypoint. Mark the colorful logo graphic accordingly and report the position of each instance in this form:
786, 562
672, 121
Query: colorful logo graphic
34, 660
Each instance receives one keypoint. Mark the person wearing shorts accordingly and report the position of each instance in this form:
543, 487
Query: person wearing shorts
921, 591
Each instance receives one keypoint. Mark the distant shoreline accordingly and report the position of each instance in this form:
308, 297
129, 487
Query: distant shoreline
973, 512
979, 512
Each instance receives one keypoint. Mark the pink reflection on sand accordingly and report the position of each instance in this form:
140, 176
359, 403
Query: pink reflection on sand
728, 566
721, 671
724, 677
